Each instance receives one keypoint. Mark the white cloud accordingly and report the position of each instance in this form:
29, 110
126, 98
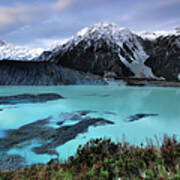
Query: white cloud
16, 14
20, 13
45, 43
61, 4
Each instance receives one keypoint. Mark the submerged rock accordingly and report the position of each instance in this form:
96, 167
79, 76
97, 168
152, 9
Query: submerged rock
110, 113
139, 116
35, 130
47, 136
29, 98
67, 133
73, 116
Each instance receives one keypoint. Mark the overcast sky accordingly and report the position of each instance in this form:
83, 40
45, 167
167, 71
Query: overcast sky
37, 23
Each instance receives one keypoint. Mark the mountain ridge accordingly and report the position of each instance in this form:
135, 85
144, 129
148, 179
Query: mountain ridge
104, 49
120, 42
38, 51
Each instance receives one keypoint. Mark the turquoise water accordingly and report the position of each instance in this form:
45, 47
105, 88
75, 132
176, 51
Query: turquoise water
122, 102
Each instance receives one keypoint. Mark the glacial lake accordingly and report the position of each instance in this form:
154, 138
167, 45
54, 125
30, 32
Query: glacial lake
116, 104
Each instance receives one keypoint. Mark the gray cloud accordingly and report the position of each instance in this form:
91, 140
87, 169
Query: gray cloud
38, 22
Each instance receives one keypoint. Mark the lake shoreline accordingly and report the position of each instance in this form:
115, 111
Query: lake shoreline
45, 73
149, 82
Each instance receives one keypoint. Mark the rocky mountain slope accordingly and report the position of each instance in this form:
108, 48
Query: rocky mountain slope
43, 73
154, 35
164, 56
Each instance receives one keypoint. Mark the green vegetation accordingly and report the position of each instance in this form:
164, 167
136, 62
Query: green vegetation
102, 159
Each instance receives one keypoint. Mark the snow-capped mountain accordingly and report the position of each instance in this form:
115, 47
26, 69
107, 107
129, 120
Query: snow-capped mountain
106, 50
102, 48
11, 52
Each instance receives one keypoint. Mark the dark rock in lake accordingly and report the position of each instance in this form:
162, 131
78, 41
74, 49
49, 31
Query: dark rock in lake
48, 137
73, 116
110, 113
67, 133
139, 116
98, 95
29, 98
85, 112
105, 95
4, 108
36, 130
93, 94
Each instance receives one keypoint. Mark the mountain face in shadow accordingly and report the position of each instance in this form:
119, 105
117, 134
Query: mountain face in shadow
43, 73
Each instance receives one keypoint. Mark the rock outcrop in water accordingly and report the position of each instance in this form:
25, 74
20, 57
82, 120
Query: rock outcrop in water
29, 98
47, 136
139, 116
43, 73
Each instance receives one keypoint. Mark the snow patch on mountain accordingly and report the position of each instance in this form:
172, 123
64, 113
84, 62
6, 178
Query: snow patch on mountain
58, 44
179, 77
12, 52
156, 34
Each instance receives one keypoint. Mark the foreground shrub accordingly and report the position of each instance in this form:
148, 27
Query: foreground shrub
103, 159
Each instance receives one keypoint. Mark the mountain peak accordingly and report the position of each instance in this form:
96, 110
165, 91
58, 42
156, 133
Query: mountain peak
106, 44
156, 34
102, 28
103, 31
